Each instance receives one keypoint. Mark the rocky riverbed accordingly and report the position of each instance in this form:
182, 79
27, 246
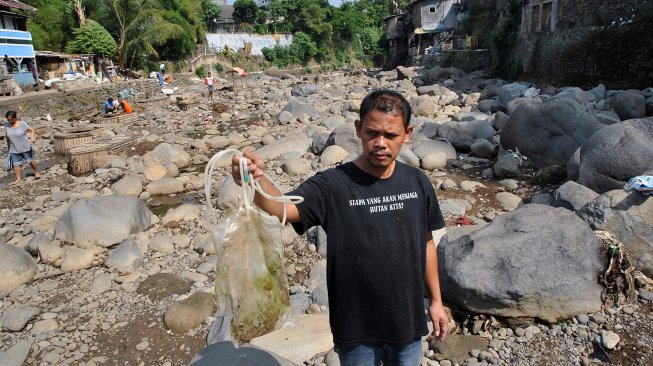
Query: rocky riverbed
116, 267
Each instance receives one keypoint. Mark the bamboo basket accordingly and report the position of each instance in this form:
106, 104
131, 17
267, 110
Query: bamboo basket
106, 120
127, 118
80, 158
72, 137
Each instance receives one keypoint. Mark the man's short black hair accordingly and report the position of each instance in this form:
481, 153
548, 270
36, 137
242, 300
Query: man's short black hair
386, 101
10, 113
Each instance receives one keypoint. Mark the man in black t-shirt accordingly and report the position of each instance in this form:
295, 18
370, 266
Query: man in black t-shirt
379, 216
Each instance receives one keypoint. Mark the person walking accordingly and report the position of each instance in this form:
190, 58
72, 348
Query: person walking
383, 222
209, 84
20, 145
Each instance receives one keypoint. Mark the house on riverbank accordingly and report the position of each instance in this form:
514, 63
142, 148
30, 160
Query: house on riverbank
16, 42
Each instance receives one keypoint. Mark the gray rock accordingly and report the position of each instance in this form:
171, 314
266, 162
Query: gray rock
508, 200
34, 243
510, 92
425, 148
17, 319
483, 148
161, 285
101, 283
423, 105
596, 93
543, 199
627, 104
285, 117
332, 122
345, 137
533, 273
16, 267
458, 347
189, 313
453, 207
405, 73
333, 155
574, 93
77, 259
162, 243
407, 156
463, 134
126, 257
303, 90
629, 217
573, 196
317, 282
299, 143
436, 89
609, 339
298, 108
508, 165
434, 161
299, 303
296, 166
104, 220
319, 142
16, 354
549, 133
225, 353
165, 186
582, 318
500, 120
130, 185
573, 166
615, 154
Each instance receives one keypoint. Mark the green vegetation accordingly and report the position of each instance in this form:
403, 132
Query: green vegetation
92, 38
201, 72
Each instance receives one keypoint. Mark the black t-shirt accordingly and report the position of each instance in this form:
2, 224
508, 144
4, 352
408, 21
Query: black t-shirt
376, 256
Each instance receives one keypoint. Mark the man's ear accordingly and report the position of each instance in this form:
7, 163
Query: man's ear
358, 125
409, 133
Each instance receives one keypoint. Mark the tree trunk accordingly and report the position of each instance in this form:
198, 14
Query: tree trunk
80, 12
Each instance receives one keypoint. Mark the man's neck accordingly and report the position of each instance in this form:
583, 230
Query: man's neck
378, 172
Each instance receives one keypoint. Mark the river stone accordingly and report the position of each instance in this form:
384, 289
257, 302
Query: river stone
16, 267
332, 122
101, 283
458, 347
15, 320
609, 339
225, 353
173, 154
295, 143
510, 92
189, 313
332, 155
345, 137
77, 259
508, 200
185, 212
303, 90
298, 108
50, 252
162, 243
629, 217
230, 194
125, 257
407, 156
104, 220
425, 148
508, 165
549, 133
161, 285
423, 105
541, 262
296, 166
434, 161
165, 186
627, 104
130, 185
463, 134
16, 354
483, 148
309, 335
615, 154
573, 196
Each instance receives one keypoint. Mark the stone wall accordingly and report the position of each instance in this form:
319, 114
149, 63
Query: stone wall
466, 60
591, 13
619, 57
64, 104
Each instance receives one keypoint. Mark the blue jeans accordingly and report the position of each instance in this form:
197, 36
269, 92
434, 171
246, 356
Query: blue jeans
372, 355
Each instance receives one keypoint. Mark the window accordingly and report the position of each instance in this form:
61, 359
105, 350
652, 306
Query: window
432, 9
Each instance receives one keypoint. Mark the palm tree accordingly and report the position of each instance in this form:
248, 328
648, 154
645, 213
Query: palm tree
140, 26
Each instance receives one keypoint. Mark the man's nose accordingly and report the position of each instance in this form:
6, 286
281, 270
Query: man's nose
380, 142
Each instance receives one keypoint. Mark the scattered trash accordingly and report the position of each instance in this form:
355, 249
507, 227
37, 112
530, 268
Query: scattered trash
642, 183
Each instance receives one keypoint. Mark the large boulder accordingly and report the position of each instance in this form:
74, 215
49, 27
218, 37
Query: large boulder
627, 104
298, 109
615, 154
304, 90
572, 196
345, 137
104, 220
428, 147
16, 267
423, 105
536, 261
511, 92
629, 217
130, 185
463, 134
549, 133
299, 143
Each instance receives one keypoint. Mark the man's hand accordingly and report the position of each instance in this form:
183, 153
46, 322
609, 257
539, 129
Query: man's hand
440, 321
255, 165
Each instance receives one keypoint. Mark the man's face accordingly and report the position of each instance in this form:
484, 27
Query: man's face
382, 135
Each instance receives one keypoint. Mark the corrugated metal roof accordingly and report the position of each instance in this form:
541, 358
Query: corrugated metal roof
17, 5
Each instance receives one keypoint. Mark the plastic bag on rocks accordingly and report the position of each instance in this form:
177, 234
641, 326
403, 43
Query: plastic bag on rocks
251, 285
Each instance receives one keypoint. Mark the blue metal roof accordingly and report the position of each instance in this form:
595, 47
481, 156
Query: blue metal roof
14, 34
17, 50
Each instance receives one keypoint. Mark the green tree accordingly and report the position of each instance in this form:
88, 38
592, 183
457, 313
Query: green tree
245, 11
211, 12
52, 25
140, 26
92, 38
